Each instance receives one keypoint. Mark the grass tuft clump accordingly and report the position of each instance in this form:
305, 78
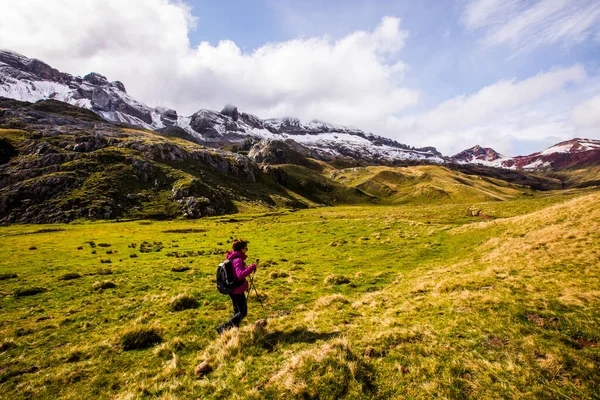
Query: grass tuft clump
105, 271
104, 285
165, 350
234, 343
278, 274
334, 279
334, 299
180, 268
183, 302
331, 371
22, 292
7, 344
69, 276
140, 337
6, 276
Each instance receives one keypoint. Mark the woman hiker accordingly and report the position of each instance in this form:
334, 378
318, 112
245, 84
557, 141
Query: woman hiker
238, 298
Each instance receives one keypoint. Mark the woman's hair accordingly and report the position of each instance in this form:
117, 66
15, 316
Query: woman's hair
238, 244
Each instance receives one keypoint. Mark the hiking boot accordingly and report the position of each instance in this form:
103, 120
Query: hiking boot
220, 330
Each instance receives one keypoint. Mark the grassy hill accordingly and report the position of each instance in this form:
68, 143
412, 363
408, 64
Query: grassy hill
427, 184
415, 300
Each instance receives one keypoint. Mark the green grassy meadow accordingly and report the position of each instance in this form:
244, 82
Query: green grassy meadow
412, 301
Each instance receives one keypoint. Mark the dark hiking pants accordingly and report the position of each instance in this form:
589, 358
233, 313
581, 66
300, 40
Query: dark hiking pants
240, 309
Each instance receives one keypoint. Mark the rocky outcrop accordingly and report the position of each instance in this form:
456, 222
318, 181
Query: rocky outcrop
58, 167
231, 111
273, 152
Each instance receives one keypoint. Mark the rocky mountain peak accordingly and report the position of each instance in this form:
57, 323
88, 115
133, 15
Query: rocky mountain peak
231, 111
477, 153
96, 79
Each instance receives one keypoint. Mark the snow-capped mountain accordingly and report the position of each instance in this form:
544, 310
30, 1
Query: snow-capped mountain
478, 155
564, 155
26, 79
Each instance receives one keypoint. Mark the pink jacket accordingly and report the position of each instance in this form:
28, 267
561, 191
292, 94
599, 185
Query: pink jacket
240, 270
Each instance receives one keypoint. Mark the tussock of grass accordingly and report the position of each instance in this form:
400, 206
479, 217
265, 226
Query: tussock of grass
105, 271
7, 344
334, 279
69, 276
203, 369
268, 263
6, 276
278, 274
104, 285
334, 300
183, 302
30, 291
180, 268
234, 342
140, 337
165, 350
331, 371
76, 354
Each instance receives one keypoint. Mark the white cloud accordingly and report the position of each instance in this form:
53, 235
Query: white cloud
496, 116
586, 117
144, 43
526, 25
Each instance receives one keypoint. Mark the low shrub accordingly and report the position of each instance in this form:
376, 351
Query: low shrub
140, 337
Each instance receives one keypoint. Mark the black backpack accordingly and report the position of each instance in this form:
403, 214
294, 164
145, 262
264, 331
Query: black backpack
226, 282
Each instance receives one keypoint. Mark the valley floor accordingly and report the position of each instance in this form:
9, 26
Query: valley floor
358, 302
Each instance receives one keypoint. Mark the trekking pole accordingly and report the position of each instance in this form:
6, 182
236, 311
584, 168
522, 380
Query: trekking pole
252, 286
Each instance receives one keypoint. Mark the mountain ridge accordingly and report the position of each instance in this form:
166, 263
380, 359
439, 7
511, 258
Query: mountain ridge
568, 154
31, 80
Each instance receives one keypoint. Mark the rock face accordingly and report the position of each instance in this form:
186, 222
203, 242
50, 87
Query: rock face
59, 163
31, 80
273, 152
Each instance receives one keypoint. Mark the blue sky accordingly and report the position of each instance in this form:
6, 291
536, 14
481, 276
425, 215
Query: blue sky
515, 75
445, 59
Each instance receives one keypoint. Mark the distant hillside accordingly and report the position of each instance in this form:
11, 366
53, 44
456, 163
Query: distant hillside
60, 163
